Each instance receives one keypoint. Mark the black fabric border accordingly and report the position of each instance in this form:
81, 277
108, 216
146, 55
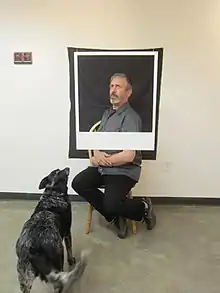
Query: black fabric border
83, 154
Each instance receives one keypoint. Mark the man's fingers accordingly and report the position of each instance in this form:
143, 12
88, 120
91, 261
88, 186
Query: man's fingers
103, 159
105, 162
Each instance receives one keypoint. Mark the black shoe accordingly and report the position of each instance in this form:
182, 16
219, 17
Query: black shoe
149, 215
122, 227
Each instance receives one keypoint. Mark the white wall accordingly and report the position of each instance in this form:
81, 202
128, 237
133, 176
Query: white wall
34, 100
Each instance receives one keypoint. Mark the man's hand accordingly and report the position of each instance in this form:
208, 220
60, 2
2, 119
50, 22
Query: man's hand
94, 162
122, 158
101, 158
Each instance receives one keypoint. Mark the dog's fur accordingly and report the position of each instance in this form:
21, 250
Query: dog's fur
39, 247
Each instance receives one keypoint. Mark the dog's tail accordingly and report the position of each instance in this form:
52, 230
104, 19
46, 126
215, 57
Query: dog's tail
58, 279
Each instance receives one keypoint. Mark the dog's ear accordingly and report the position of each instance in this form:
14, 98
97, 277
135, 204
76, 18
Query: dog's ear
44, 182
48, 179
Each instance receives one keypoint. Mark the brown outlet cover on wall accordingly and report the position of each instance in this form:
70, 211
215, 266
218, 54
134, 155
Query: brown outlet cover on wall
23, 58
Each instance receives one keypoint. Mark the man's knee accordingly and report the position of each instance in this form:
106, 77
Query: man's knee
84, 180
77, 184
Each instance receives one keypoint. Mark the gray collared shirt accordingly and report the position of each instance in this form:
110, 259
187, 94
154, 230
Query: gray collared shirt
124, 119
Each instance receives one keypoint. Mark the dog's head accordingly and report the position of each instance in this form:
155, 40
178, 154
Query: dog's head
56, 181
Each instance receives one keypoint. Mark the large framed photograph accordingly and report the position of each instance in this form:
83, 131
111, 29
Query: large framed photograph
90, 71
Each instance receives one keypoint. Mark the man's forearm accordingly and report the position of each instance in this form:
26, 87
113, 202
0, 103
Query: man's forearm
122, 158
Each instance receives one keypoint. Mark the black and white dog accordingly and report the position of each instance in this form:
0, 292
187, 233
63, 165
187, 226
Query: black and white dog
39, 247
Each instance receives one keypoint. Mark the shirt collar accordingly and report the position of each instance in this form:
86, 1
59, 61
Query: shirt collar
123, 108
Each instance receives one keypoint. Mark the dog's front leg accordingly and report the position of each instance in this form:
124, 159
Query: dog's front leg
25, 276
68, 242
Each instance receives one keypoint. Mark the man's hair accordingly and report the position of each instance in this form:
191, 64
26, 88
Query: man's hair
128, 79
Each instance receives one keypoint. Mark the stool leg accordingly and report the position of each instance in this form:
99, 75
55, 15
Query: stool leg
133, 223
134, 227
89, 219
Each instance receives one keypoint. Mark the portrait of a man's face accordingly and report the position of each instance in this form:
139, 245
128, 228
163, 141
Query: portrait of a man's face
90, 95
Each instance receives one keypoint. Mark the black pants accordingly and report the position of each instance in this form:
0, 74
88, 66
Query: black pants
113, 201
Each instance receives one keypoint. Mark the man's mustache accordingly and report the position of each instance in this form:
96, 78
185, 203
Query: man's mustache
114, 95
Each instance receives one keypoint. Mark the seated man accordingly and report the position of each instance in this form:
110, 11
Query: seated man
119, 171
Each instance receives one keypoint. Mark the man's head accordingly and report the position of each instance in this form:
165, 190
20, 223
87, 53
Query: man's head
120, 89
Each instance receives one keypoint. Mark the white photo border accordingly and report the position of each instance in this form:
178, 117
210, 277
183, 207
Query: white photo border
115, 140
